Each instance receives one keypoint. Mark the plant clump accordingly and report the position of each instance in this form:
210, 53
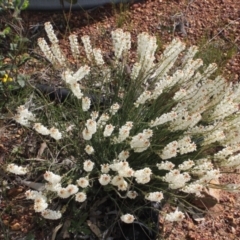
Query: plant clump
157, 133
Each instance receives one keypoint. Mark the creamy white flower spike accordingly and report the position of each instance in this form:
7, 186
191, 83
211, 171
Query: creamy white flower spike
97, 53
47, 51
121, 42
50, 32
87, 47
74, 46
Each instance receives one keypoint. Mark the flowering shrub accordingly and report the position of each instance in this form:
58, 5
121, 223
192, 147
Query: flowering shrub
159, 131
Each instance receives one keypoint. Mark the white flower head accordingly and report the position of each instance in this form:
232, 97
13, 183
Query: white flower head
91, 126
132, 194
83, 182
123, 155
18, 170
104, 179
154, 196
94, 115
127, 218
105, 168
114, 108
80, 197
41, 129
52, 187
175, 216
40, 204
72, 189
87, 135
89, 149
88, 165
63, 193
50, 214
31, 194
108, 130
166, 165
51, 177
54, 133
86, 103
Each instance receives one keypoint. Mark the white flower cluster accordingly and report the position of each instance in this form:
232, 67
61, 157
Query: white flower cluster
182, 146
147, 46
88, 165
175, 216
53, 132
166, 117
121, 42
154, 196
73, 80
53, 184
140, 142
40, 205
166, 165
143, 176
194, 188
114, 108
90, 129
176, 179
124, 132
108, 130
151, 131
86, 103
54, 52
24, 116
89, 150
127, 218
18, 170
74, 46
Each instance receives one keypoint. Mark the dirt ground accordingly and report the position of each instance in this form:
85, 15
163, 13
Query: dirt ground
195, 22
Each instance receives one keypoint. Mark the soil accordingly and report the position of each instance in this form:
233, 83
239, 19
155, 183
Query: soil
200, 22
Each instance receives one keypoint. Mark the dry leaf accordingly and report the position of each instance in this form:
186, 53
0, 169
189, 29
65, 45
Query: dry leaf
15, 227
94, 229
41, 149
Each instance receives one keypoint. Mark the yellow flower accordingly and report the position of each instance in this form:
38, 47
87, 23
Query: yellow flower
6, 78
